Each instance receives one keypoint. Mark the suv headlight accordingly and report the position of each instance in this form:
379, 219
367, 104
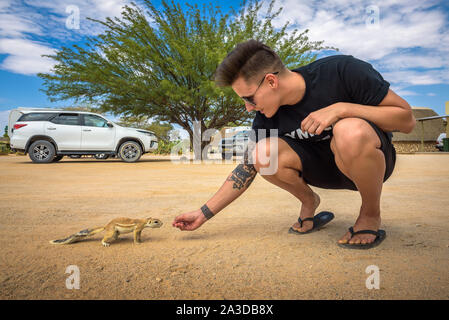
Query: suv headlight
148, 133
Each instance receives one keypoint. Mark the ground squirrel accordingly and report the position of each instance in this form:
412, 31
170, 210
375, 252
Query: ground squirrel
113, 229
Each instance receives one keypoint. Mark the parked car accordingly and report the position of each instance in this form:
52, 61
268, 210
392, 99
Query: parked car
439, 142
48, 135
235, 145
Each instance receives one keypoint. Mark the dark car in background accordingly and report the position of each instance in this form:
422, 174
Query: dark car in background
235, 145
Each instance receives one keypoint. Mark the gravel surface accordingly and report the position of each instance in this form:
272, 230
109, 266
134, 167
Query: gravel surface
245, 252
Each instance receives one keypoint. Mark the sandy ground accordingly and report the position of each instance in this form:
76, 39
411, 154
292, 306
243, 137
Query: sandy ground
244, 252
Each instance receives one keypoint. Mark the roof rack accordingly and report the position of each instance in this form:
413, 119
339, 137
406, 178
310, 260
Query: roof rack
37, 109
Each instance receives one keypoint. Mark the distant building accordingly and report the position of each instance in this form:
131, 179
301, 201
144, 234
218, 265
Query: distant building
432, 128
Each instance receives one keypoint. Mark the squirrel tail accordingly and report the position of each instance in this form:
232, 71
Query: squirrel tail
78, 236
94, 230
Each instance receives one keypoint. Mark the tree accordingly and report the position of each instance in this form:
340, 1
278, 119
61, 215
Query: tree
82, 107
139, 121
161, 130
160, 63
5, 135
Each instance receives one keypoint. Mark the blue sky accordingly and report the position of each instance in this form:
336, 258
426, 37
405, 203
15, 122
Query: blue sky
406, 40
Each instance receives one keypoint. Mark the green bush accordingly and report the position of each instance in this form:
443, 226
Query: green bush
4, 148
165, 147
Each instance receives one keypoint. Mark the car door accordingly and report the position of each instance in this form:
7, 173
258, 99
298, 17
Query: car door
96, 135
65, 129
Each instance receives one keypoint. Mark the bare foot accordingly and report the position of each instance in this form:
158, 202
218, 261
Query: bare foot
307, 211
363, 223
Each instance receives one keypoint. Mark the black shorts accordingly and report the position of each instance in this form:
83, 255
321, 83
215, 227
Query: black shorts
318, 162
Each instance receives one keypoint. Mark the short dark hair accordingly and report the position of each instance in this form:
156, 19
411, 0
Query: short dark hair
249, 60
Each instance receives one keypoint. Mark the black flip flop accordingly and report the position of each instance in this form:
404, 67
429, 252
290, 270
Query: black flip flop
319, 220
380, 236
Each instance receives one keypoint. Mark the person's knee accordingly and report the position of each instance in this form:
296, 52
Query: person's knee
352, 137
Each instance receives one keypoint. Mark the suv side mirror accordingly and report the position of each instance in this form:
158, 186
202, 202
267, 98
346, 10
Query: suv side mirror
110, 125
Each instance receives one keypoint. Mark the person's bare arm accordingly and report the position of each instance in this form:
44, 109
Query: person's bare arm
236, 184
392, 114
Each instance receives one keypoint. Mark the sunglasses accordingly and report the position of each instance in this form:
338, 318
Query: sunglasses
250, 99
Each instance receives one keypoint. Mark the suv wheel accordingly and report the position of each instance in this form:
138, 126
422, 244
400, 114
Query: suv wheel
57, 158
130, 151
226, 156
41, 151
101, 156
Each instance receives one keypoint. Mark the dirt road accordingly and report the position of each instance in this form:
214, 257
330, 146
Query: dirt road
244, 252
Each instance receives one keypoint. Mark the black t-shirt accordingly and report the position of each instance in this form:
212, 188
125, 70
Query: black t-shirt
340, 78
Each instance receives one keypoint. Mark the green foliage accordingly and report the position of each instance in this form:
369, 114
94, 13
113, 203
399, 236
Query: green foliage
166, 147
161, 130
87, 107
160, 63
4, 145
139, 121
4, 148
5, 135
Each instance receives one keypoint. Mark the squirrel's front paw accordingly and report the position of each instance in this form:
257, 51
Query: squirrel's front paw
105, 244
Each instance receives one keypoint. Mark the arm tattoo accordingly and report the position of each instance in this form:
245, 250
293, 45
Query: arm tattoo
243, 174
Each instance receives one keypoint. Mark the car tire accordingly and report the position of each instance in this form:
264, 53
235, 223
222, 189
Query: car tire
57, 158
41, 151
101, 156
130, 151
226, 156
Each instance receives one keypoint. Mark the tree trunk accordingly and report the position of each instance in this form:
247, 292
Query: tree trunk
197, 145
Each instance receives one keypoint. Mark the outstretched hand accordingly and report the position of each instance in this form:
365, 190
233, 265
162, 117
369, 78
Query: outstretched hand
189, 221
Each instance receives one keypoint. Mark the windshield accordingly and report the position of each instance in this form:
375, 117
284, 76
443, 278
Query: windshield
242, 134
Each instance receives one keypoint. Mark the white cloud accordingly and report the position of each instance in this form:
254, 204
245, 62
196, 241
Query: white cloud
407, 60
20, 24
24, 56
406, 93
15, 20
346, 29
5, 4
110, 7
96, 9
412, 77
15, 26
404, 25
410, 34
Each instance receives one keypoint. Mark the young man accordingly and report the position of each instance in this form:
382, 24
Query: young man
334, 119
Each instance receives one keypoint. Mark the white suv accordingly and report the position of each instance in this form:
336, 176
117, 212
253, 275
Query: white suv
49, 135
439, 143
